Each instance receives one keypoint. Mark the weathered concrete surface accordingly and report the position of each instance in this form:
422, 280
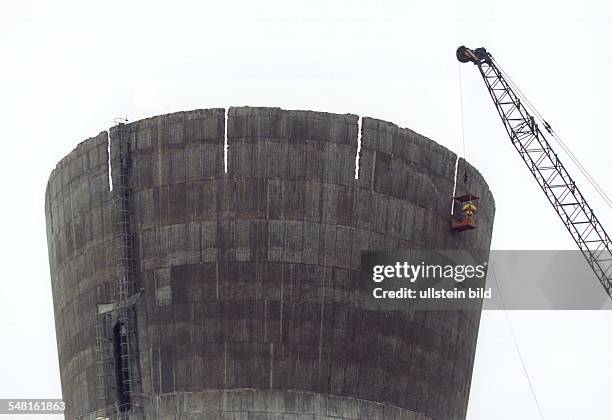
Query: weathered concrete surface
277, 405
82, 260
250, 276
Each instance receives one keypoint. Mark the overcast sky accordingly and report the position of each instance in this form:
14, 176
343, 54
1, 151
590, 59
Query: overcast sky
68, 68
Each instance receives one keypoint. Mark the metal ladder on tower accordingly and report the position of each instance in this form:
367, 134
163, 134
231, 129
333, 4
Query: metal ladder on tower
127, 359
103, 357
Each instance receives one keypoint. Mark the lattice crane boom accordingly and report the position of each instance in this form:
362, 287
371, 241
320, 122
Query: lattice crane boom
544, 164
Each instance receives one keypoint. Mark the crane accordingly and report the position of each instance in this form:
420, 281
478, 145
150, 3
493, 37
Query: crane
544, 164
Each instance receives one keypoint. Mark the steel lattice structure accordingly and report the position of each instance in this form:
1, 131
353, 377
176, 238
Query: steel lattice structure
542, 161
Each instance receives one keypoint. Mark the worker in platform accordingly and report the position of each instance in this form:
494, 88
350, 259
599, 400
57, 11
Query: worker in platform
469, 209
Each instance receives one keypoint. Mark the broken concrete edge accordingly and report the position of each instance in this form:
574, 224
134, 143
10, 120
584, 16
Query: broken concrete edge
477, 185
395, 144
81, 149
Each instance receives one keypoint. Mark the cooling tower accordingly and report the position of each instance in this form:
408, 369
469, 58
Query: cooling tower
185, 290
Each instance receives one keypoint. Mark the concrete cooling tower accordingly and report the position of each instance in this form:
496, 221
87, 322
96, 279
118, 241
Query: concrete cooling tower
191, 282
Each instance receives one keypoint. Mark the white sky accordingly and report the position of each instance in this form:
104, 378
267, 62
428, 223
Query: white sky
68, 68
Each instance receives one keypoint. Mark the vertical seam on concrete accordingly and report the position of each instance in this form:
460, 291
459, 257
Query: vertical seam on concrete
373, 170
200, 242
322, 314
265, 319
138, 265
225, 363
455, 356
280, 333
454, 184
157, 397
173, 373
217, 272
359, 136
49, 204
271, 364
225, 140
72, 215
267, 224
159, 370
108, 160
151, 369
327, 282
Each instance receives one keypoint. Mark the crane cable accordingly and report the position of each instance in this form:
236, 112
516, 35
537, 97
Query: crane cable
461, 110
518, 350
561, 143
465, 175
600, 191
